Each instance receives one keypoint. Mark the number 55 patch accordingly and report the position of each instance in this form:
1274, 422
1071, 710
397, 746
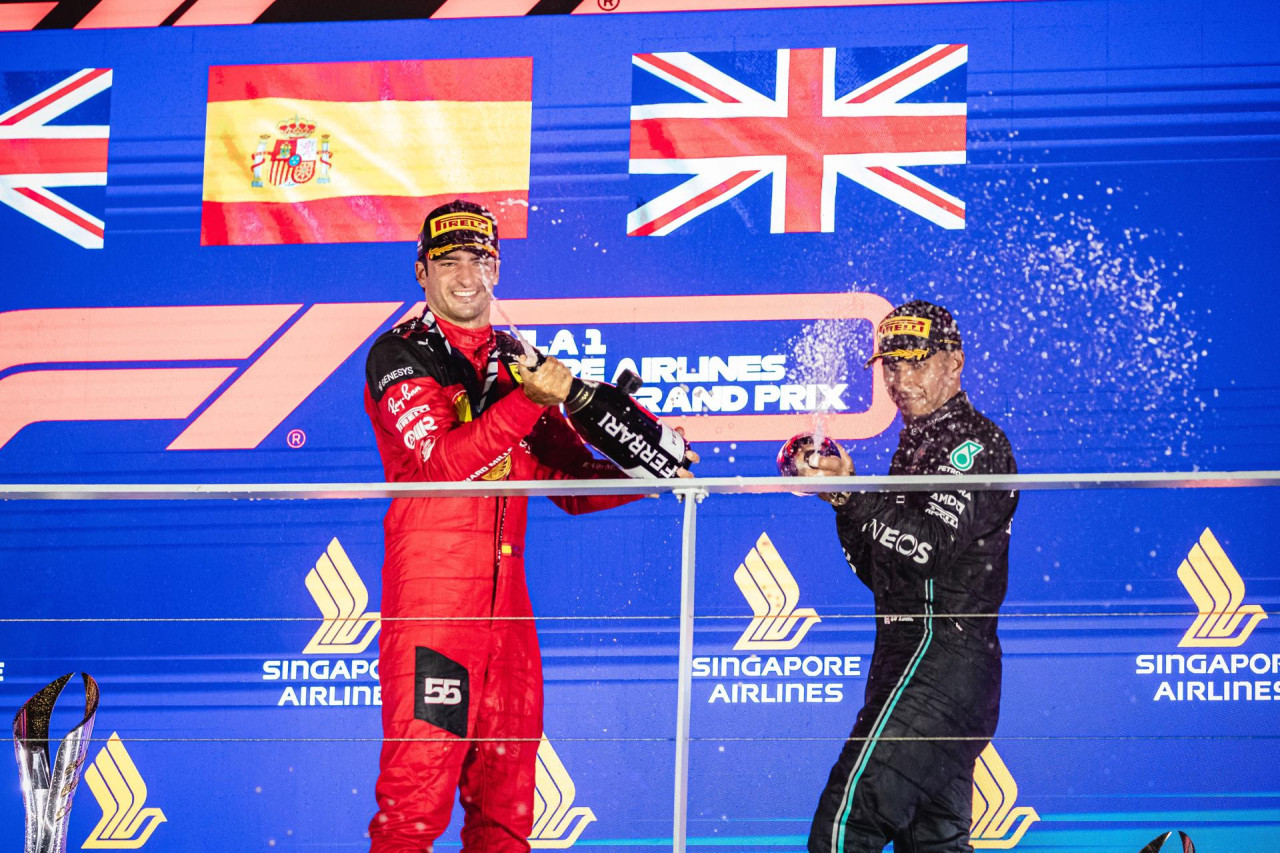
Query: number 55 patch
963, 456
441, 689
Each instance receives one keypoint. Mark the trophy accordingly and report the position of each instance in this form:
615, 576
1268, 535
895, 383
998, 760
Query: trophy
47, 788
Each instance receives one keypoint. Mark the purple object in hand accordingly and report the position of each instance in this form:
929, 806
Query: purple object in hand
802, 443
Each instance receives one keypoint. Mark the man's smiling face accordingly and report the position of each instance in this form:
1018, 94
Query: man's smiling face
458, 286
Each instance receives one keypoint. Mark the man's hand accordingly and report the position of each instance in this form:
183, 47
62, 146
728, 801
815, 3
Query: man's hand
548, 383
688, 454
812, 464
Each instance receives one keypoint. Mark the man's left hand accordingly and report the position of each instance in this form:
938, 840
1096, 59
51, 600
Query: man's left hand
690, 455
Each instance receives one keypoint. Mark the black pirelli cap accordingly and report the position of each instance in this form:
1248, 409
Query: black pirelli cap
460, 224
915, 331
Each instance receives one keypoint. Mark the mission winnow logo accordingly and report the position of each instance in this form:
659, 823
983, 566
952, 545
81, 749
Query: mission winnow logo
121, 793
1223, 620
347, 628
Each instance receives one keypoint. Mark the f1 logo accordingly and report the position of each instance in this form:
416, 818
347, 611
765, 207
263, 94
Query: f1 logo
245, 368
302, 348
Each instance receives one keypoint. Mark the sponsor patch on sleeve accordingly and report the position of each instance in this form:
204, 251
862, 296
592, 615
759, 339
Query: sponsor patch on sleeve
392, 376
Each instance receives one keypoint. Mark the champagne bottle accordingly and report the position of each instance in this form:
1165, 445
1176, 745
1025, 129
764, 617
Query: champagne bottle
612, 422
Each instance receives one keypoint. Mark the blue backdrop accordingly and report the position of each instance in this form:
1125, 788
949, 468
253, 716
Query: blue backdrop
1112, 278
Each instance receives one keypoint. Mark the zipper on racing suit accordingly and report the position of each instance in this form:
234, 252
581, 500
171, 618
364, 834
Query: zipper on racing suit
499, 528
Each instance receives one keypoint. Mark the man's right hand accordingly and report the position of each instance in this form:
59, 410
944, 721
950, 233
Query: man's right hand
827, 466
548, 383
811, 464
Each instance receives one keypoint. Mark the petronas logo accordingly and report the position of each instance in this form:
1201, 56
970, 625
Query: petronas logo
118, 787
557, 822
772, 591
342, 598
997, 823
1218, 591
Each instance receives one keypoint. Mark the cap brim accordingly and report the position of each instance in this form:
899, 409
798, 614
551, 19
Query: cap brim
471, 246
902, 355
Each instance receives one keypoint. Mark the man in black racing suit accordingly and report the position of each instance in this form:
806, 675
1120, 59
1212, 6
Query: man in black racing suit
938, 566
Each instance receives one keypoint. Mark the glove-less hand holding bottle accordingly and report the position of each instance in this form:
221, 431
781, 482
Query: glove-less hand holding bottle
612, 422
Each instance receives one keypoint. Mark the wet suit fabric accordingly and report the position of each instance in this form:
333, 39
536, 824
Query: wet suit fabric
936, 563
459, 662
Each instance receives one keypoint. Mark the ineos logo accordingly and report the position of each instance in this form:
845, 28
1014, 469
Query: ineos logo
896, 540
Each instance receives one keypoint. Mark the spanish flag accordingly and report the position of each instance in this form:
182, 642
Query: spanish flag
358, 152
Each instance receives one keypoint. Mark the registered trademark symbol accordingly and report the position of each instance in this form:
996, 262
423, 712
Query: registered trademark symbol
608, 5
296, 438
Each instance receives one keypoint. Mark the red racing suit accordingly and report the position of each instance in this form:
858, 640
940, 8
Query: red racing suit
464, 667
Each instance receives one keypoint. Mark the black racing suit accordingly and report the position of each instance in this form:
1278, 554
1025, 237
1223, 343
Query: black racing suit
938, 565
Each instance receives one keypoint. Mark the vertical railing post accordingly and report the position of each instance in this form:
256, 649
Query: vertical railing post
691, 497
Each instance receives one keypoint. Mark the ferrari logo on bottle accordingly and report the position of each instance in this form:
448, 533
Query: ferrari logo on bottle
997, 823
1218, 591
118, 787
557, 822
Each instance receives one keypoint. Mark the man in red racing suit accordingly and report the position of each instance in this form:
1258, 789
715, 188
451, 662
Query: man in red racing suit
459, 662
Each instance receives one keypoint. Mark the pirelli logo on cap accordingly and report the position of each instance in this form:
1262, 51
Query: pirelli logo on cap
917, 326
461, 222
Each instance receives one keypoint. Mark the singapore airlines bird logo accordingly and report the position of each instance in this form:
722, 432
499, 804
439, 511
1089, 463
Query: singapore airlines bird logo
557, 822
122, 795
997, 824
1218, 591
772, 592
342, 599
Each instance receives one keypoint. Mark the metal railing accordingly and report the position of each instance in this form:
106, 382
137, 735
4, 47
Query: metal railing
690, 492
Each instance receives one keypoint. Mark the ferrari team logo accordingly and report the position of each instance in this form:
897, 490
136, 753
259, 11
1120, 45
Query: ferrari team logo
118, 787
500, 469
294, 157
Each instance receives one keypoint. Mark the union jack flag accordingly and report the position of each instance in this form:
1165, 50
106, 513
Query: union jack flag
801, 118
37, 153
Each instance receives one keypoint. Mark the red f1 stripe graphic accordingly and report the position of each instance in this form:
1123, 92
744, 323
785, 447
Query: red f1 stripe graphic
312, 346
284, 376
242, 416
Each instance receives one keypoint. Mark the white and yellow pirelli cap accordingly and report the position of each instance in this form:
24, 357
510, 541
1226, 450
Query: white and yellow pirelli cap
915, 331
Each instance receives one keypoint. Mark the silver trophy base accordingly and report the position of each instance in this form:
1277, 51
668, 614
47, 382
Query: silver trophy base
47, 787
